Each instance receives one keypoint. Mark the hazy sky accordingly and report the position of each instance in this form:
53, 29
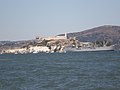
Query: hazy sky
25, 19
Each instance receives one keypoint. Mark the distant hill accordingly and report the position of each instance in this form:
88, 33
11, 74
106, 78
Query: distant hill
106, 32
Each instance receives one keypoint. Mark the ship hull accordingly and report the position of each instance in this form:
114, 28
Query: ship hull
105, 48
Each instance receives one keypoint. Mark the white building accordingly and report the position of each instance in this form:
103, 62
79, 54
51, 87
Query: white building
53, 37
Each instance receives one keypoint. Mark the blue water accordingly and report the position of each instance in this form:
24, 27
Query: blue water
61, 71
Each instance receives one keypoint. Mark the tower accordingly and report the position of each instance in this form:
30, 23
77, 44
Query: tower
66, 35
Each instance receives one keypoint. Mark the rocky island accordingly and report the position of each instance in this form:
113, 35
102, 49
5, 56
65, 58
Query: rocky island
96, 37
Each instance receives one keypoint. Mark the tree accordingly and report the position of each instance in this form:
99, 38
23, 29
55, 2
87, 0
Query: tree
44, 42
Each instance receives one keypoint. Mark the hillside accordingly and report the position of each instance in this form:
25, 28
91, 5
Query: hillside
106, 32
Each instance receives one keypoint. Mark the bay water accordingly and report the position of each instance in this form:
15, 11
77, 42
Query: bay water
60, 71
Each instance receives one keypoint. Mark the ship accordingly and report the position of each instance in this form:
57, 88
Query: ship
76, 49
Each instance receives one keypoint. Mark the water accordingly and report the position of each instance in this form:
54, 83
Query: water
61, 71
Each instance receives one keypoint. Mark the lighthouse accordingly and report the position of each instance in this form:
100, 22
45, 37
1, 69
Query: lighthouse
66, 35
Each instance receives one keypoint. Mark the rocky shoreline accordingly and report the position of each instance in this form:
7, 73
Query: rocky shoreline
36, 46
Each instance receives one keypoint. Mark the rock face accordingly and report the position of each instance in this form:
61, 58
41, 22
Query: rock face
106, 32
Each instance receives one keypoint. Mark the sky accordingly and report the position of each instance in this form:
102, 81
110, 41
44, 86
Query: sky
26, 19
